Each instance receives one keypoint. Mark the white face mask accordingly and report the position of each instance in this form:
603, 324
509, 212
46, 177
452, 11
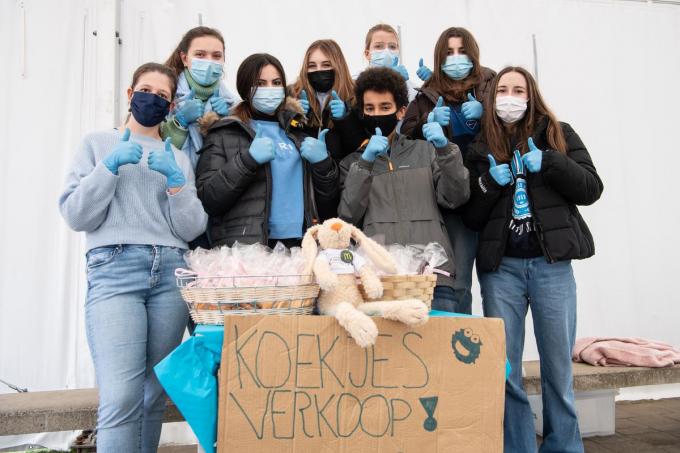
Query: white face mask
510, 108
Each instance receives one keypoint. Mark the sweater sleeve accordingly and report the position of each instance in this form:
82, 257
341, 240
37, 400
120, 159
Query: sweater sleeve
451, 178
573, 174
187, 217
177, 133
355, 183
484, 193
90, 187
223, 174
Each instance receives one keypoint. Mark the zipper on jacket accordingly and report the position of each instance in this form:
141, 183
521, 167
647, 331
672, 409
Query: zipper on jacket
538, 226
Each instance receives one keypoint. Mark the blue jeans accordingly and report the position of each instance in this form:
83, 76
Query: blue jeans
550, 291
464, 243
134, 316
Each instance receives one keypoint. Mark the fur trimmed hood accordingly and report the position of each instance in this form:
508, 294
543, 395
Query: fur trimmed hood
292, 112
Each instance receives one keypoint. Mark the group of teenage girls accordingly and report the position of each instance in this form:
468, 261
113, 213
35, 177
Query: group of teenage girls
473, 159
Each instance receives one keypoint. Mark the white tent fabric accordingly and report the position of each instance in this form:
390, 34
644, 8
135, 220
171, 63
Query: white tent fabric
607, 67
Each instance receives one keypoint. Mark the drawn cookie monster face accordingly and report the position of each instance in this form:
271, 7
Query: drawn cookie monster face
466, 345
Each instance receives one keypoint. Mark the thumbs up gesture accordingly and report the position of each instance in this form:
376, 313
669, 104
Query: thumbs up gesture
262, 148
500, 173
400, 68
338, 107
442, 113
314, 150
472, 109
534, 158
125, 152
219, 104
304, 102
377, 145
433, 132
189, 110
423, 72
163, 161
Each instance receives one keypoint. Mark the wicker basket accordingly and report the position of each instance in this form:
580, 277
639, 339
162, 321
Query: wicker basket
399, 287
208, 305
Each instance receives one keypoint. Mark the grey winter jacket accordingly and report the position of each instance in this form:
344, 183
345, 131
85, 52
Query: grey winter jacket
399, 195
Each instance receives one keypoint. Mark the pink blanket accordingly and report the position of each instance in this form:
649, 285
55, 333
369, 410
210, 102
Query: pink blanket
625, 352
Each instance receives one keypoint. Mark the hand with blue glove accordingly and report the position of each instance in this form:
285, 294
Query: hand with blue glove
163, 161
262, 148
400, 68
314, 150
424, 73
304, 102
190, 111
377, 146
534, 158
442, 113
125, 152
500, 173
338, 107
472, 109
219, 104
433, 132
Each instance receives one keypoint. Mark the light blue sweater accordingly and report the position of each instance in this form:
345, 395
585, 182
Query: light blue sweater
134, 206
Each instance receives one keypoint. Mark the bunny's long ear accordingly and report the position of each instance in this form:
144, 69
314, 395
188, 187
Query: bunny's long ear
375, 251
310, 247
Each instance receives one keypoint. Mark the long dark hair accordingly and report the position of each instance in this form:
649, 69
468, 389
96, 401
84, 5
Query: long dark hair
175, 59
454, 90
495, 133
246, 78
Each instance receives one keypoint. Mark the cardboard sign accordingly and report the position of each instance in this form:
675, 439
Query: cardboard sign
300, 384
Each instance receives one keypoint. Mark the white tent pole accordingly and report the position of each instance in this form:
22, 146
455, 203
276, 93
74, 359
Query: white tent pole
107, 71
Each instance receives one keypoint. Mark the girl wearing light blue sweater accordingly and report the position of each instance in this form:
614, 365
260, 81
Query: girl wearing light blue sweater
134, 197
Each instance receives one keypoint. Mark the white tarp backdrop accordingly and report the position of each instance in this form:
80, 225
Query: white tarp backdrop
610, 68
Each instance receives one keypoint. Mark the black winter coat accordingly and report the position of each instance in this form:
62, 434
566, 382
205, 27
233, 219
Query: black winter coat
565, 180
236, 190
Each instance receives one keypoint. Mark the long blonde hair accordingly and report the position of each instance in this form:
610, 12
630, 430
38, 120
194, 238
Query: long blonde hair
343, 84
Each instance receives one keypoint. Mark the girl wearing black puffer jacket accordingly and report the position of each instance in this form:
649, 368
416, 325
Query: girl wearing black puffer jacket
528, 172
259, 176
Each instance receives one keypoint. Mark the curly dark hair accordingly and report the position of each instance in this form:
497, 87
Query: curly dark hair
381, 80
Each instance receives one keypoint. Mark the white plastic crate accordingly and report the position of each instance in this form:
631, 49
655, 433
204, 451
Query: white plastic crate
596, 412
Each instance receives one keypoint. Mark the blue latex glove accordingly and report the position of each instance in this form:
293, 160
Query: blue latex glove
125, 152
338, 107
262, 148
472, 109
190, 111
424, 73
304, 102
219, 104
442, 113
500, 173
377, 145
163, 161
433, 132
534, 158
401, 69
314, 150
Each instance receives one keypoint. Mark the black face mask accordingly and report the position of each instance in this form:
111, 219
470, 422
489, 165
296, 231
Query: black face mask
386, 123
322, 81
148, 108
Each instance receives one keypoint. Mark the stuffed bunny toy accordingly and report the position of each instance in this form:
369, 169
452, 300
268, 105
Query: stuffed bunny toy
336, 267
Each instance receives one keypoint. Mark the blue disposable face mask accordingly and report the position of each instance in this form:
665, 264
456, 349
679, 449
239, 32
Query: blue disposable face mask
205, 72
268, 99
148, 109
384, 57
457, 66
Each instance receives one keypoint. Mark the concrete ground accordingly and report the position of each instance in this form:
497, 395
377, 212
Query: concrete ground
641, 427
